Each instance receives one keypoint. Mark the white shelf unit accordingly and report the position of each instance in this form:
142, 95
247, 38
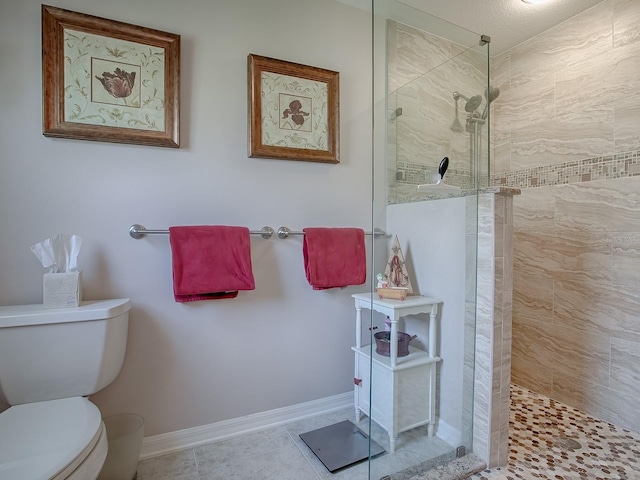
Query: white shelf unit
402, 389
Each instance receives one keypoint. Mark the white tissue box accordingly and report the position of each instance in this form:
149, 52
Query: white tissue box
61, 290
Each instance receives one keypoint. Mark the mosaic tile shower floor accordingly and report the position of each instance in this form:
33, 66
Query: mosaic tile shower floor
550, 440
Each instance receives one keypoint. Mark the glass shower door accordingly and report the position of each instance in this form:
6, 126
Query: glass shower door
431, 97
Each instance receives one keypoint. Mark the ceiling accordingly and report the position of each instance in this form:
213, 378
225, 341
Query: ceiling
507, 22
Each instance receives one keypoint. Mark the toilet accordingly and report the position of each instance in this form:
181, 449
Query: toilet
50, 361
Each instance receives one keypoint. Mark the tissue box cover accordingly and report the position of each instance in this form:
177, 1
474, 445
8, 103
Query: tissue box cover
61, 290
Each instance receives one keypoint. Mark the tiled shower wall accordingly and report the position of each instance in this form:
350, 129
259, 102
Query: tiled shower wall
566, 130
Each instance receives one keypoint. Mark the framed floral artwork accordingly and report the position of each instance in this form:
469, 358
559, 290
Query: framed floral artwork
293, 111
109, 81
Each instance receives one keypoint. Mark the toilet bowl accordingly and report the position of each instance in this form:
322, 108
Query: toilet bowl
50, 360
52, 439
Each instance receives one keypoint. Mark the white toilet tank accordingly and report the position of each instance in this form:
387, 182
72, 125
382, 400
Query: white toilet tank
46, 354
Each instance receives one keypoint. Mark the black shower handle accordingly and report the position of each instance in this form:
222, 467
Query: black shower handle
444, 164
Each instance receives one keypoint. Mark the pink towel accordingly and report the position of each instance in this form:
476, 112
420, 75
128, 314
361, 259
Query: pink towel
210, 262
334, 257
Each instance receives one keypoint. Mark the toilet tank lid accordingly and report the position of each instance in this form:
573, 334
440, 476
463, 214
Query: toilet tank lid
23, 315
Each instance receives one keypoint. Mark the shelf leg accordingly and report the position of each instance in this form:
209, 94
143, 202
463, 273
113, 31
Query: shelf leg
432, 331
392, 443
393, 337
358, 326
432, 398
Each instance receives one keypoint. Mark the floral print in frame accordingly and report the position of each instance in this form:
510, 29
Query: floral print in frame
293, 111
109, 81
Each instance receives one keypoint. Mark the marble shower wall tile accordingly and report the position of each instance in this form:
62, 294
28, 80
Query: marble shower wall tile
625, 366
501, 158
532, 296
605, 309
627, 124
416, 53
609, 77
529, 103
577, 294
534, 208
626, 22
554, 141
428, 97
500, 78
563, 46
524, 370
576, 256
611, 405
602, 206
560, 348
625, 259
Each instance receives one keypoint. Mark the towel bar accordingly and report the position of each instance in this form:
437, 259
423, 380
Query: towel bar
138, 231
284, 232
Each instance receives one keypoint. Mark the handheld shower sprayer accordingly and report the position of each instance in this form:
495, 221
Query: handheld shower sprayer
490, 93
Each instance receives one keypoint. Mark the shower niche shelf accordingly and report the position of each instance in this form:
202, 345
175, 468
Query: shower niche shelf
403, 389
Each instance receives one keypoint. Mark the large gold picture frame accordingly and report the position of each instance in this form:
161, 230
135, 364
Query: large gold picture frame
293, 111
109, 81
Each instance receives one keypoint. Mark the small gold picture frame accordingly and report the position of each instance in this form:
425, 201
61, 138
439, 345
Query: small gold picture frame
293, 111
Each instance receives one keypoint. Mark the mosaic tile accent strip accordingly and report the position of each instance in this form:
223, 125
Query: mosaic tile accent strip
607, 167
410, 173
550, 440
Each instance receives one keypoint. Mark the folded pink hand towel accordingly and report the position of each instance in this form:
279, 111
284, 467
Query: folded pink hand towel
334, 257
210, 262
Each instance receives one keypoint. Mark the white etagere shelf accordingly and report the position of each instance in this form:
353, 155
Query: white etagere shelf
402, 388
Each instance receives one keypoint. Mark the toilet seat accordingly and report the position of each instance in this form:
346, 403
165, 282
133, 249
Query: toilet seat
51, 440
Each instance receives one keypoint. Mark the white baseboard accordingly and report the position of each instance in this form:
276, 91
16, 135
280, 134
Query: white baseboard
449, 434
191, 437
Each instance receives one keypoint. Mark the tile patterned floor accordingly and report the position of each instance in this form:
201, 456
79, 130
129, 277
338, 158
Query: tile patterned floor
550, 440
279, 454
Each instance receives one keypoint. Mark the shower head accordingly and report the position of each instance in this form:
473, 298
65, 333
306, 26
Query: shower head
473, 103
490, 93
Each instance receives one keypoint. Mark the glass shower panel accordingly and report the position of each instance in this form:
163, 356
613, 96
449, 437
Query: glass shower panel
430, 84
441, 113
